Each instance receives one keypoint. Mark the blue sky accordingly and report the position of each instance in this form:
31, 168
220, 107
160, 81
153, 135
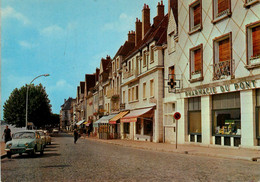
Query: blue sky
64, 38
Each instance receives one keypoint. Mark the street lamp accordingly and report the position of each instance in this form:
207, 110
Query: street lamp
27, 90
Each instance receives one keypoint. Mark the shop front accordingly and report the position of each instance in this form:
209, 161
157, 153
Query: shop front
105, 129
138, 124
115, 124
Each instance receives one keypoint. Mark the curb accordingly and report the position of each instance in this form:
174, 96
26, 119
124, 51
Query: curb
255, 159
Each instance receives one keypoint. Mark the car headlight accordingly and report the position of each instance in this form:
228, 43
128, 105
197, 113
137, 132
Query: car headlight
26, 145
9, 146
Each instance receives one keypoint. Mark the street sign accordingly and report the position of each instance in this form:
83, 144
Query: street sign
177, 115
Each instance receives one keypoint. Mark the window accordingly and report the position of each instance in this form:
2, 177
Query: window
258, 115
129, 66
152, 54
171, 72
194, 116
195, 17
253, 44
144, 90
123, 97
136, 93
226, 114
249, 3
144, 59
221, 10
222, 56
113, 67
133, 94
117, 63
151, 88
196, 63
126, 128
138, 126
129, 94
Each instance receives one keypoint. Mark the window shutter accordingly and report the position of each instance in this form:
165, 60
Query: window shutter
224, 50
222, 5
256, 41
196, 11
197, 59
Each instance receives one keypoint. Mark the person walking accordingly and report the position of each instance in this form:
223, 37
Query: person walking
76, 135
7, 134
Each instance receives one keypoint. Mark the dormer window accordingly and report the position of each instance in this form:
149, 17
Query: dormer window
195, 16
152, 54
221, 10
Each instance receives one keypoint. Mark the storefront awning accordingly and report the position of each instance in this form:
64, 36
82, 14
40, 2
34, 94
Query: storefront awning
117, 117
133, 115
80, 122
104, 119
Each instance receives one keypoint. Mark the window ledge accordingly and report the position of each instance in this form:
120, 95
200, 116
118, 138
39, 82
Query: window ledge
194, 31
247, 5
252, 66
144, 66
196, 79
133, 101
151, 61
221, 18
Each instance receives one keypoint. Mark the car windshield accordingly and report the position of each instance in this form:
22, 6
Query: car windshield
41, 133
21, 135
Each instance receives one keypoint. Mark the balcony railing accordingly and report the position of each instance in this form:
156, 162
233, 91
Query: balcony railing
223, 69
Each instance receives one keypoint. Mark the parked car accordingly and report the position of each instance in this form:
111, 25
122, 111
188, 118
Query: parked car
55, 132
48, 137
28, 141
43, 137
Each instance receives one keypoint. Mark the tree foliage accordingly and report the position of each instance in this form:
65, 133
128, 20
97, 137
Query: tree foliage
39, 108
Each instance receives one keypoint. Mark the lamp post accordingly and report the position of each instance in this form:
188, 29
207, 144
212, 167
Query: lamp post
27, 90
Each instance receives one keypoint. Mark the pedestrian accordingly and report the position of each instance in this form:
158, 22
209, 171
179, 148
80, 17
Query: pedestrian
84, 132
76, 135
7, 134
89, 132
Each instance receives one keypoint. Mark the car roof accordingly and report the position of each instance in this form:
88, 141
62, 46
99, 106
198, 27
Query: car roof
22, 131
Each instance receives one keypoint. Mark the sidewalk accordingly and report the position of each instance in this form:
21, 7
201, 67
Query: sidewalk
230, 153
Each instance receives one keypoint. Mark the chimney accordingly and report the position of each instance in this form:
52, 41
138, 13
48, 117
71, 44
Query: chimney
138, 31
145, 20
131, 36
160, 9
108, 57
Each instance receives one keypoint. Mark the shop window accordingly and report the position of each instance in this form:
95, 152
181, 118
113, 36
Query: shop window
148, 126
126, 128
226, 114
194, 115
196, 62
253, 44
151, 88
258, 115
221, 10
195, 17
222, 56
138, 126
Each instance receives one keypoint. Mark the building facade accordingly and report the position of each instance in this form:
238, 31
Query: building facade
213, 52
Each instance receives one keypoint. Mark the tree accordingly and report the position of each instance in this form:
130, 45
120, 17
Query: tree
39, 108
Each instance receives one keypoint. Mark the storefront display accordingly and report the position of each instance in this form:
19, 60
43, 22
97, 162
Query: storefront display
226, 118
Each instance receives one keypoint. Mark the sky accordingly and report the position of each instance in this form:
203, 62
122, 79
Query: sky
63, 38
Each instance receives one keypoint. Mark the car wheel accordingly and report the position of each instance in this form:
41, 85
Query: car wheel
9, 155
20, 154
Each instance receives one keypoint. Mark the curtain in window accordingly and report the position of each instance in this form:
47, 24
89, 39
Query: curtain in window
256, 41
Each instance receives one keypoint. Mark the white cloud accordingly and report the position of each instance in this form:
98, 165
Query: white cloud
122, 24
53, 30
60, 85
10, 12
26, 45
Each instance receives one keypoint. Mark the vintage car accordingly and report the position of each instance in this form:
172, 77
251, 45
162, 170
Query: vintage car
48, 137
28, 141
43, 137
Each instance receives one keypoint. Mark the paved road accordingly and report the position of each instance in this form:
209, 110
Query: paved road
94, 161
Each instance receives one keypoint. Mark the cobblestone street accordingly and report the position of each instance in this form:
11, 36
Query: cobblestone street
94, 161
